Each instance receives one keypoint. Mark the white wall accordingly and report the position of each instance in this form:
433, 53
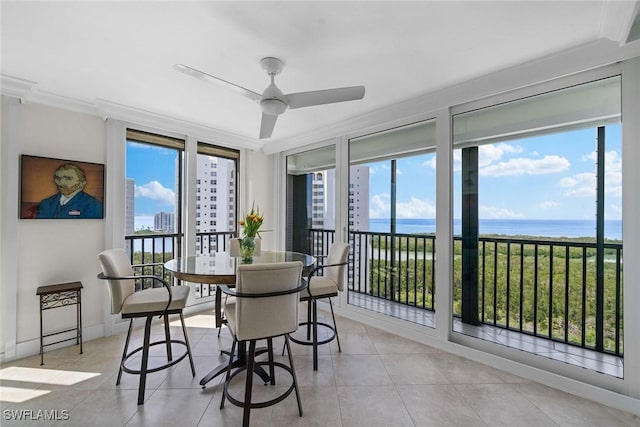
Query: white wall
49, 251
257, 176
40, 252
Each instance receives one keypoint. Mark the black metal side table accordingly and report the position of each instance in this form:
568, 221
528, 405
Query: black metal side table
56, 296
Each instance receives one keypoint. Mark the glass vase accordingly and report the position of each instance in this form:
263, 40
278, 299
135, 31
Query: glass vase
247, 248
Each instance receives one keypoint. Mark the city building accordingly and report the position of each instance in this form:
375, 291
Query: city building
215, 200
164, 222
129, 207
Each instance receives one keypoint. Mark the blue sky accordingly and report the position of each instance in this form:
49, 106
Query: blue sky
154, 171
543, 177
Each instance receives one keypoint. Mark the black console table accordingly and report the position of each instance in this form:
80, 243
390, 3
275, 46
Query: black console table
56, 296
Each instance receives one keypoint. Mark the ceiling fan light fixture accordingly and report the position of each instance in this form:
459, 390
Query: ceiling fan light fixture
273, 106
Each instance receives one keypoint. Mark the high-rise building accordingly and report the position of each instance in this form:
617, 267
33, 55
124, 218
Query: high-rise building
323, 197
129, 207
164, 222
323, 208
359, 198
215, 199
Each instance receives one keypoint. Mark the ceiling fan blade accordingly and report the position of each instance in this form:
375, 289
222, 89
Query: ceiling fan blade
267, 125
327, 96
217, 80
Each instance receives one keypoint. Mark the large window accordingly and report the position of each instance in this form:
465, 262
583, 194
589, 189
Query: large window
155, 205
537, 212
311, 214
153, 195
392, 221
217, 189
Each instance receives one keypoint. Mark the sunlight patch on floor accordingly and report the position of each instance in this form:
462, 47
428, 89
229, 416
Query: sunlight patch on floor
19, 395
197, 321
45, 376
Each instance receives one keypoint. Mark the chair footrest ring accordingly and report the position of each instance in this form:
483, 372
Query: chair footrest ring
264, 403
310, 342
158, 368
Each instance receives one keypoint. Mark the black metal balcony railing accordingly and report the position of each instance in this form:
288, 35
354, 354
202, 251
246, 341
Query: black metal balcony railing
548, 288
149, 252
545, 288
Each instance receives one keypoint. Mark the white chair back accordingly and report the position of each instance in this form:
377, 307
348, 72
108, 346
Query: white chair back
267, 316
338, 254
115, 263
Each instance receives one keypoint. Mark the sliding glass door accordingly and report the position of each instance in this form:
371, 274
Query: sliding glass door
392, 221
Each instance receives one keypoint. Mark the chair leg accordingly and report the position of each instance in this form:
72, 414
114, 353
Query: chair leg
124, 352
272, 372
186, 340
335, 326
228, 374
315, 335
167, 337
249, 384
293, 373
309, 308
218, 309
145, 360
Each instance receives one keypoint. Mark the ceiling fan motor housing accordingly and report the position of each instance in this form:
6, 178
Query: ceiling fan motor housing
273, 106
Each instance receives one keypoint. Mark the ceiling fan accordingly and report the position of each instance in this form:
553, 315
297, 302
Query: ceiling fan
272, 101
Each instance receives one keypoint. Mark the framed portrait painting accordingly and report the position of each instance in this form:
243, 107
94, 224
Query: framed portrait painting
60, 189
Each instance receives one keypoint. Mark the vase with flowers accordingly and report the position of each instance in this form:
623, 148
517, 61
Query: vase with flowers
250, 224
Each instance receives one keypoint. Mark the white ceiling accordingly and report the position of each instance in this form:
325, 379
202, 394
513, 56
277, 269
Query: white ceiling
124, 52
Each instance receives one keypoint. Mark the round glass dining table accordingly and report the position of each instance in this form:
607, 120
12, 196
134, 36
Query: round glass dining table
220, 268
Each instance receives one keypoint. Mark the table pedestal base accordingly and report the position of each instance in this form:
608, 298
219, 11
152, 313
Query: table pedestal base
239, 361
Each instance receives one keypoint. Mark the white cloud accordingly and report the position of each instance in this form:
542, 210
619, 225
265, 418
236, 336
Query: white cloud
612, 170
523, 166
380, 207
491, 212
431, 162
155, 191
488, 154
613, 174
548, 204
415, 208
457, 161
579, 185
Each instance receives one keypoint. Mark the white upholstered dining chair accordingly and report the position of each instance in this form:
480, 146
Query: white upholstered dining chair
156, 301
266, 299
327, 285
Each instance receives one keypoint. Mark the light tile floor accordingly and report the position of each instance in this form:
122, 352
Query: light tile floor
378, 379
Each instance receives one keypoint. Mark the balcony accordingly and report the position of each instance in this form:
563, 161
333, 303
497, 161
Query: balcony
395, 277
539, 296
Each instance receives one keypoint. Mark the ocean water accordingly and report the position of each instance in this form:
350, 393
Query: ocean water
511, 227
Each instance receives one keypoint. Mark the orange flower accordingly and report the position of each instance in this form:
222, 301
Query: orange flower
252, 222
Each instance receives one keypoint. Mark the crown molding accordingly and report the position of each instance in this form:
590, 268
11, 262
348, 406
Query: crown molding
15, 87
109, 109
571, 61
28, 92
617, 18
